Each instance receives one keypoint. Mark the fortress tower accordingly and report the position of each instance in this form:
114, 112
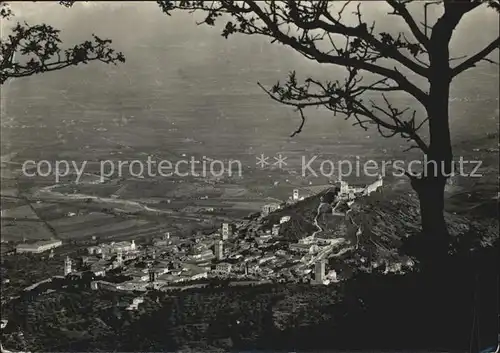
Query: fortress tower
227, 230
219, 249
152, 275
67, 266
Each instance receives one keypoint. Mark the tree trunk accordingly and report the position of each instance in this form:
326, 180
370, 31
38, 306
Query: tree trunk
431, 197
434, 237
438, 167
437, 164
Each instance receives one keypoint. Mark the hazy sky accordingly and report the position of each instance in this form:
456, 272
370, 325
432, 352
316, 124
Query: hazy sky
172, 61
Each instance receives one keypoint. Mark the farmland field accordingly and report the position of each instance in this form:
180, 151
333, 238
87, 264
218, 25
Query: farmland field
17, 230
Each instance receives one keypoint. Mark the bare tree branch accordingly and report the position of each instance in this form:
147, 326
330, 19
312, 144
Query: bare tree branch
347, 99
274, 21
401, 10
303, 121
480, 56
360, 31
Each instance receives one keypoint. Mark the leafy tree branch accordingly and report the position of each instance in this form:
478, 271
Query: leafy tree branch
33, 49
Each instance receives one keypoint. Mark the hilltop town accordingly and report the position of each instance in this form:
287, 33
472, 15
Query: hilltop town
314, 241
310, 245
252, 251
